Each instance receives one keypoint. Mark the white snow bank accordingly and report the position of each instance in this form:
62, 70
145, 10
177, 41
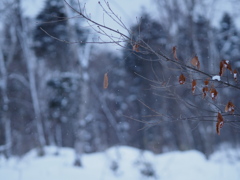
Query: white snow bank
122, 163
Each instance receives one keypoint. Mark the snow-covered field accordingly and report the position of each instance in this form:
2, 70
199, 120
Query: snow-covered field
122, 163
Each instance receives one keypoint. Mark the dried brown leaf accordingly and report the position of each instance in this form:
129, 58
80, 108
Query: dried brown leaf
195, 62
174, 50
229, 107
224, 64
205, 90
182, 79
105, 81
136, 47
213, 93
206, 82
194, 84
221, 68
219, 124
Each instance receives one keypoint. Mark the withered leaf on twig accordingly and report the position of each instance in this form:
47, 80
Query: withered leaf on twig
195, 62
174, 50
219, 124
105, 81
229, 107
224, 64
194, 84
221, 68
206, 82
205, 90
213, 93
136, 47
182, 79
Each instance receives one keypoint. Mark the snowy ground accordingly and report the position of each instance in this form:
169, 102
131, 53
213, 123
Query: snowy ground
132, 164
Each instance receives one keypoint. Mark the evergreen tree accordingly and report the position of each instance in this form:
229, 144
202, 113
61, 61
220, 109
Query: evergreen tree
63, 109
139, 63
150, 32
45, 45
228, 39
53, 20
64, 87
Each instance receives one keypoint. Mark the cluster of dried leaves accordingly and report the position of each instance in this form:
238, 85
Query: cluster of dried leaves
213, 92
224, 65
220, 121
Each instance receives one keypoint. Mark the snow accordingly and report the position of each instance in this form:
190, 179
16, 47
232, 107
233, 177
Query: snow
129, 163
216, 77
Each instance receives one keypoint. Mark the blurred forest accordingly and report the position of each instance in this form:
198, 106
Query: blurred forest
52, 92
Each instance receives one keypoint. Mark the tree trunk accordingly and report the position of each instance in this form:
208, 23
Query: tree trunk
82, 56
31, 62
6, 121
